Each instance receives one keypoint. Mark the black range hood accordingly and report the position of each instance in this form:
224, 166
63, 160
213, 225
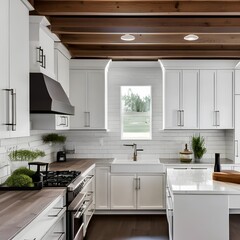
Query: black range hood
48, 96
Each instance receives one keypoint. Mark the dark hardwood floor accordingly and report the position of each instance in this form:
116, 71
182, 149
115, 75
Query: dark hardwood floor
128, 227
234, 228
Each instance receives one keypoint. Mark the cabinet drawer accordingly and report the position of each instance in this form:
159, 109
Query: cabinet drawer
51, 220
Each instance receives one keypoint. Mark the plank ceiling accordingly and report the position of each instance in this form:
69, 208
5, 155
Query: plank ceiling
92, 28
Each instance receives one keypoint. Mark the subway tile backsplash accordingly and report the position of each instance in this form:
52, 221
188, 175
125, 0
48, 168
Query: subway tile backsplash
32, 142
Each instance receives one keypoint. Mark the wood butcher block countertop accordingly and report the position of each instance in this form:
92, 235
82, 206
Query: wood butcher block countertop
19, 208
80, 164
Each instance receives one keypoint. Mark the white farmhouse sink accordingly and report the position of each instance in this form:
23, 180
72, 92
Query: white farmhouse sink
141, 166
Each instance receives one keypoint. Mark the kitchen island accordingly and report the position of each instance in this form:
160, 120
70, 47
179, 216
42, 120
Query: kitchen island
198, 207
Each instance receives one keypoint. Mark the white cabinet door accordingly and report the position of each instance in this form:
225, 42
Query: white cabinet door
172, 83
47, 44
62, 70
87, 94
41, 46
237, 81
207, 99
96, 98
123, 191
237, 129
78, 97
216, 99
19, 65
102, 188
181, 99
224, 99
151, 191
189, 98
4, 69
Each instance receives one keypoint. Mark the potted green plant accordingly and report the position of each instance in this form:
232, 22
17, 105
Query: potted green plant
198, 147
53, 138
21, 157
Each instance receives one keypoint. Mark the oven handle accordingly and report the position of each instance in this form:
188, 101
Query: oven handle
61, 235
79, 234
79, 213
77, 202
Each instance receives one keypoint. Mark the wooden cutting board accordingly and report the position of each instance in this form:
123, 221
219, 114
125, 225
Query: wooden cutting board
227, 176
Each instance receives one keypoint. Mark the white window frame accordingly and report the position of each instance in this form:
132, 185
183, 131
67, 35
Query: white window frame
150, 133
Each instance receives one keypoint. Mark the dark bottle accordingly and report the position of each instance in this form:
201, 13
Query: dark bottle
217, 166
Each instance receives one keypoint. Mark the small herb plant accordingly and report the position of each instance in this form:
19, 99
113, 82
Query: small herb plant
53, 138
25, 155
198, 147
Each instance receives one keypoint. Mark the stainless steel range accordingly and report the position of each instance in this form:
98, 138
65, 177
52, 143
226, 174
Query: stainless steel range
80, 196
58, 178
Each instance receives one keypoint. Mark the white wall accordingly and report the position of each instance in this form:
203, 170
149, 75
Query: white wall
33, 142
164, 144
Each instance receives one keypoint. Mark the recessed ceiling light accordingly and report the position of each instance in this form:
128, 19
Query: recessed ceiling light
191, 37
127, 37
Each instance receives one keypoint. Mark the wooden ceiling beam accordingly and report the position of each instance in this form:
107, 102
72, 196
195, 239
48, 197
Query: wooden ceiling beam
152, 25
136, 8
148, 39
154, 54
155, 47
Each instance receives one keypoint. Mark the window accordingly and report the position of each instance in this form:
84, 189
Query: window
136, 112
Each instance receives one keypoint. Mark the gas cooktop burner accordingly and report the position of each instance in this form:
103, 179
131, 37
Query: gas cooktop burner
58, 178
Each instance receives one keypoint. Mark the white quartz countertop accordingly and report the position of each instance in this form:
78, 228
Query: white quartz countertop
198, 181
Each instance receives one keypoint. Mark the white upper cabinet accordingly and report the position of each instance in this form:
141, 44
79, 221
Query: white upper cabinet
4, 62
216, 99
88, 93
207, 91
61, 66
181, 99
14, 84
61, 61
237, 81
198, 94
41, 46
237, 129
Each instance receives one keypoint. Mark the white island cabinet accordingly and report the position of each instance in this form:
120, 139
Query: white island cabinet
198, 207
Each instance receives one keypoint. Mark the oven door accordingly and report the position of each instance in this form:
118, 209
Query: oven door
75, 219
79, 233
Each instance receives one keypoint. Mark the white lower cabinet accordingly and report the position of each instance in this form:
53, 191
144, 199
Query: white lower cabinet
123, 191
150, 194
137, 191
102, 188
50, 224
